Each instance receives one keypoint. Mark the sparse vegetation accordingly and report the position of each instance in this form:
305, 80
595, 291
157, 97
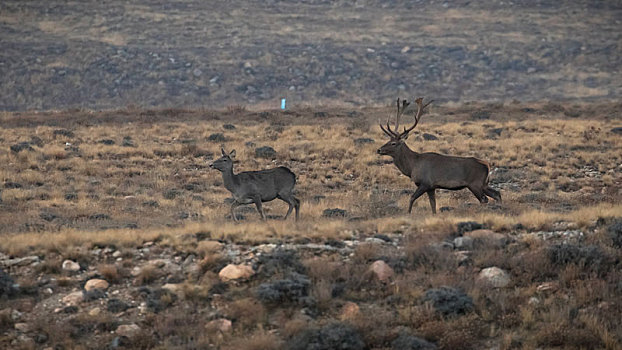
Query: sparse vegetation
151, 219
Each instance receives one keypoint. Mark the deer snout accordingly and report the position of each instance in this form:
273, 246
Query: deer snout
211, 165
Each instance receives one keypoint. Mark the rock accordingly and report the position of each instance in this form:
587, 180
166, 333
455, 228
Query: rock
216, 137
463, 242
363, 141
228, 127
265, 152
128, 330
175, 288
25, 261
22, 146
429, 137
93, 294
96, 284
615, 233
234, 272
23, 327
382, 270
334, 213
107, 142
71, 266
209, 246
617, 130
547, 287
349, 311
12, 185
74, 298
95, 311
221, 325
494, 277
467, 226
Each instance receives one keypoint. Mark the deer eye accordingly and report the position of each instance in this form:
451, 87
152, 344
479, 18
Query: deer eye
393, 143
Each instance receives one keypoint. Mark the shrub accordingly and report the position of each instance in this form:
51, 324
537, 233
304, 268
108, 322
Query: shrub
294, 290
449, 301
409, 342
334, 335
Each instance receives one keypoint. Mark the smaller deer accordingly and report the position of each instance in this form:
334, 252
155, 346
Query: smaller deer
429, 170
257, 186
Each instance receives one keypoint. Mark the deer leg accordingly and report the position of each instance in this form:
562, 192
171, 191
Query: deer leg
233, 206
418, 193
257, 201
479, 194
289, 200
296, 206
490, 192
432, 198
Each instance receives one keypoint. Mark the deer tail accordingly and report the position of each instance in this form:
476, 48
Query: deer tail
487, 165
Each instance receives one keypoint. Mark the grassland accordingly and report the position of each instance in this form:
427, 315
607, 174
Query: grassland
132, 179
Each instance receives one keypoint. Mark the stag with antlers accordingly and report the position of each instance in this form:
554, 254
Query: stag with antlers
430, 171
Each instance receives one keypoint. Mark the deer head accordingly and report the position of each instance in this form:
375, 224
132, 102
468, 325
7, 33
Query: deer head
397, 139
225, 162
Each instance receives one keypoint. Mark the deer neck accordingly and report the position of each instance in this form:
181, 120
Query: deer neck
229, 179
405, 160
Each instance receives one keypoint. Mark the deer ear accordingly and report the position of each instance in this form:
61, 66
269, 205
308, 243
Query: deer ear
222, 150
232, 154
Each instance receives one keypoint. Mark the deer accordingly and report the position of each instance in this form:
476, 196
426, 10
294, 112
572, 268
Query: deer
430, 171
257, 186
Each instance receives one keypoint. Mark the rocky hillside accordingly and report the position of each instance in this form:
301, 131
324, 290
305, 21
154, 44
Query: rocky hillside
59, 54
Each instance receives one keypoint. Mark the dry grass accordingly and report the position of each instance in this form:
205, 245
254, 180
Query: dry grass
553, 172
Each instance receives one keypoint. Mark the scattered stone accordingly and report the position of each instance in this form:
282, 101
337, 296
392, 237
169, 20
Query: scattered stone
99, 216
22, 327
363, 141
234, 272
449, 301
216, 137
228, 127
128, 330
157, 299
71, 266
221, 325
12, 185
95, 311
349, 311
463, 242
467, 226
22, 146
334, 213
617, 130
382, 270
116, 305
547, 287
128, 142
410, 342
265, 152
494, 277
106, 142
96, 284
63, 132
429, 137
24, 261
73, 298
487, 235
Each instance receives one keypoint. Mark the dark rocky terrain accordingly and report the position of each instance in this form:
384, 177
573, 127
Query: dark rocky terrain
75, 54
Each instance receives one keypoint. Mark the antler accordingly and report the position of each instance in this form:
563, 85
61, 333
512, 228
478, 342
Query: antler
420, 108
400, 111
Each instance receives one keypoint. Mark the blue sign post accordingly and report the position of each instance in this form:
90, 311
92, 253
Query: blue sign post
283, 103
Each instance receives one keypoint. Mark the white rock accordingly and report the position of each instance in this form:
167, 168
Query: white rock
128, 330
96, 283
22, 327
72, 266
72, 299
234, 272
382, 271
463, 242
221, 324
95, 311
494, 277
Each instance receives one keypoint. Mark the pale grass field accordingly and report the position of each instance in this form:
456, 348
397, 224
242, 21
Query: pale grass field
541, 153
